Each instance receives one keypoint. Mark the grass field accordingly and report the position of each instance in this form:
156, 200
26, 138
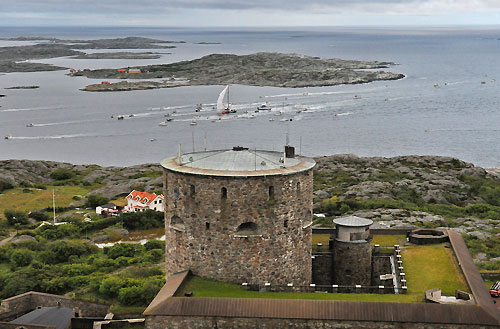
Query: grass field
426, 267
16, 199
388, 240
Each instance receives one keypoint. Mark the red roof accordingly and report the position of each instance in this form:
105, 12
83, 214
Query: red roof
143, 197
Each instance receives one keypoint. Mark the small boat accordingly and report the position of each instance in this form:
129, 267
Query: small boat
199, 107
30, 125
152, 140
251, 116
264, 107
271, 119
284, 119
357, 97
169, 119
8, 137
193, 123
278, 113
131, 116
120, 117
163, 123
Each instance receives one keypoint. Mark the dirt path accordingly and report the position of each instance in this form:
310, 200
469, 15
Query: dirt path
7, 240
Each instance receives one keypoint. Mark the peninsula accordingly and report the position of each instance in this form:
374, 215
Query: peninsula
259, 69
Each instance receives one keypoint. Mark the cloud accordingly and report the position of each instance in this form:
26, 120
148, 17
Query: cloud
242, 12
166, 6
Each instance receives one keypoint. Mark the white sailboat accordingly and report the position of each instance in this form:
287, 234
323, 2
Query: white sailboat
224, 109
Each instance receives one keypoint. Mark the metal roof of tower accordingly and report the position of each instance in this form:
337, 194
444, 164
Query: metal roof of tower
238, 161
352, 221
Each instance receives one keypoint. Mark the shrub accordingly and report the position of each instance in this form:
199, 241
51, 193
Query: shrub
21, 257
154, 244
39, 216
16, 217
123, 249
62, 174
4, 185
95, 200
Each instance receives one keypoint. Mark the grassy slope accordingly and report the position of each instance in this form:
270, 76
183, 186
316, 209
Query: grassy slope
422, 275
16, 199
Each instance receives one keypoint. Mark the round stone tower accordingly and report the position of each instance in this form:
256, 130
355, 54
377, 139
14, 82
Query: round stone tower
352, 252
239, 215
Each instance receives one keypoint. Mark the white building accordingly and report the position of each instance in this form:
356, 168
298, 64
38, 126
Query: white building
141, 201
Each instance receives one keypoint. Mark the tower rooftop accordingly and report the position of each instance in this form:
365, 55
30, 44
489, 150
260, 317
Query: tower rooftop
352, 221
238, 161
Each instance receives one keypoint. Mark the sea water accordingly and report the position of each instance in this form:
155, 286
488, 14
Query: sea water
448, 104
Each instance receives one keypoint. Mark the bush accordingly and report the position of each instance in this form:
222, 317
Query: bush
154, 244
154, 256
39, 216
5, 186
21, 257
61, 251
143, 220
123, 249
16, 217
95, 200
62, 174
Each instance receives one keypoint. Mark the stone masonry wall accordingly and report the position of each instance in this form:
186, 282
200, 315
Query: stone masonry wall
352, 262
322, 268
21, 304
173, 322
202, 234
381, 265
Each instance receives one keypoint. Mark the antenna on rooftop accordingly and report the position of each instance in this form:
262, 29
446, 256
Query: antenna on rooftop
54, 207
192, 138
255, 153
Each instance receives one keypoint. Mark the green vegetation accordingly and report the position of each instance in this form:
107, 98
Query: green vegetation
420, 268
432, 266
83, 270
78, 228
388, 240
15, 199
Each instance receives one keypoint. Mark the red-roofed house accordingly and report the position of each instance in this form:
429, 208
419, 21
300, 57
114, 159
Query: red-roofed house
141, 201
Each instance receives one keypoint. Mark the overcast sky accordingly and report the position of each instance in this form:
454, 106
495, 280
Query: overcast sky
248, 13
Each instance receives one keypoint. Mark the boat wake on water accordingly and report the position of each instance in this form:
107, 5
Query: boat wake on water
33, 109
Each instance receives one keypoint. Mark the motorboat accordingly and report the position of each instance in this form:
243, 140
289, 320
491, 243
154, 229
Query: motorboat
120, 117
163, 123
193, 123
264, 107
30, 125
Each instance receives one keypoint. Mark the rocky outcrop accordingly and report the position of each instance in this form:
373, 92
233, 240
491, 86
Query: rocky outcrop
115, 180
260, 69
432, 179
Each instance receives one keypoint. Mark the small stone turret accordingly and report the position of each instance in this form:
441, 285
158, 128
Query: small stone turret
352, 252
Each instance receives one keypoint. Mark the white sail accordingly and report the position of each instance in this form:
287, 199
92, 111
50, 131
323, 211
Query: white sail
220, 106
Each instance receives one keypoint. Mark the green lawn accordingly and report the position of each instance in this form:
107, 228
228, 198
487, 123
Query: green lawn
16, 199
388, 240
426, 267
432, 266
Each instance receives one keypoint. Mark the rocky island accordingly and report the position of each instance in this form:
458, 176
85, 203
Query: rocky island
260, 69
12, 58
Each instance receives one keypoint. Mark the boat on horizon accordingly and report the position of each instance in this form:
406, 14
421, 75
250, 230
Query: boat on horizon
224, 109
